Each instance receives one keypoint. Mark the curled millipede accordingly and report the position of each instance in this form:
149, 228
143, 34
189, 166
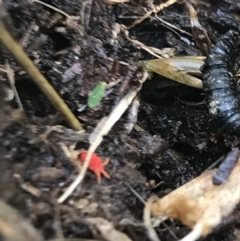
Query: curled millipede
219, 82
226, 167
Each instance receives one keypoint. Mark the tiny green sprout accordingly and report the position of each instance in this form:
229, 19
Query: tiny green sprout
95, 96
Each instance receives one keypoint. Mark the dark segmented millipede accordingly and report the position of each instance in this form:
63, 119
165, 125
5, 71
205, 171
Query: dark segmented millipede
220, 85
222, 94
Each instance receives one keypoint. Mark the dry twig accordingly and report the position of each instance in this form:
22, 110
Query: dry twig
164, 53
53, 8
147, 219
108, 124
37, 77
116, 1
107, 230
10, 75
155, 10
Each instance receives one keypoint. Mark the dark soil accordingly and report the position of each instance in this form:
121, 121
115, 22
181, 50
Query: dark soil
178, 140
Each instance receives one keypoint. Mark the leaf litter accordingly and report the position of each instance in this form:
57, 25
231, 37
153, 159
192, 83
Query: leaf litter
43, 154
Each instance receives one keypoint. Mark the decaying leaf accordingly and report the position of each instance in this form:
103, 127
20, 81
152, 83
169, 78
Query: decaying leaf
200, 204
177, 69
107, 230
96, 95
199, 33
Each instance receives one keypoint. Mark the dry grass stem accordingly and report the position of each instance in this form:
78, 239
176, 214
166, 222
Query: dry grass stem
18, 53
53, 8
108, 124
149, 13
10, 75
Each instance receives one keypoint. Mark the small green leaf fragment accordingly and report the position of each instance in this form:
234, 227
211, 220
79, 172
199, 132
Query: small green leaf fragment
95, 96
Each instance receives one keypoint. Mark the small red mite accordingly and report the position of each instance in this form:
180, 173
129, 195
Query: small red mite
96, 164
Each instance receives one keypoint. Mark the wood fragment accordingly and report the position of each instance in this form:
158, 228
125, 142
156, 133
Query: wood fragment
53, 8
200, 204
106, 230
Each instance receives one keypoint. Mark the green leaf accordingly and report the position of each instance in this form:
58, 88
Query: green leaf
95, 96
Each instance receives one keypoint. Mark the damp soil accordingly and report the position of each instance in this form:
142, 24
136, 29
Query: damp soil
176, 139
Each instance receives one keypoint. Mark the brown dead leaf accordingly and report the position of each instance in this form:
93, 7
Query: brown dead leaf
200, 204
107, 230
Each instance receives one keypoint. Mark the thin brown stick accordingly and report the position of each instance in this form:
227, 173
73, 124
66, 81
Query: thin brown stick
52, 7
11, 79
149, 13
37, 77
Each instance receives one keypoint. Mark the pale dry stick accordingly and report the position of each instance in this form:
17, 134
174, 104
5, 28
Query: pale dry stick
135, 193
27, 187
10, 75
153, 51
215, 163
120, 62
116, 1
53, 8
155, 10
18, 53
107, 230
110, 121
132, 115
147, 216
147, 219
159, 183
169, 230
194, 234
127, 222
79, 178
112, 84
3, 70
84, 4
24, 40
171, 27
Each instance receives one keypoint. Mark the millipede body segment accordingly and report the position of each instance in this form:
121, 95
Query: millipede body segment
219, 82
